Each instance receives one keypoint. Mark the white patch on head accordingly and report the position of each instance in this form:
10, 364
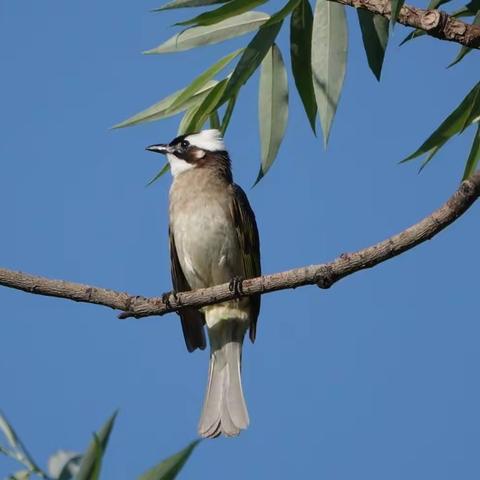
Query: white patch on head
177, 165
210, 140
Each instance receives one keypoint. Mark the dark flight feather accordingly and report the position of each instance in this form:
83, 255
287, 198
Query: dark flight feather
247, 234
192, 319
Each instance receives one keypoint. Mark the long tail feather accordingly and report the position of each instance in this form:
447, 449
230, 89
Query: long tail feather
224, 409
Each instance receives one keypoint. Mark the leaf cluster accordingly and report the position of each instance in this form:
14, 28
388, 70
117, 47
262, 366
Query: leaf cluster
318, 56
67, 465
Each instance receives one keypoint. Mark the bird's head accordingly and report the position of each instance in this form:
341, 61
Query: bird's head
205, 148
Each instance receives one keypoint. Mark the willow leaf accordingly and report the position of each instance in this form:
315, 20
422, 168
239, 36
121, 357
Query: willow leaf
9, 432
187, 3
434, 4
163, 171
169, 468
20, 475
375, 38
20, 452
199, 36
251, 58
463, 116
468, 10
396, 7
228, 114
211, 102
203, 79
186, 120
63, 464
432, 153
229, 10
283, 12
89, 465
272, 107
214, 120
163, 109
474, 155
301, 23
329, 59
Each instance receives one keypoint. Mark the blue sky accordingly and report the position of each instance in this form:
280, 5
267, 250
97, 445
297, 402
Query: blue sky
376, 378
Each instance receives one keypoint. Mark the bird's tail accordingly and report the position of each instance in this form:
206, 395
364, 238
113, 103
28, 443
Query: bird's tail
224, 409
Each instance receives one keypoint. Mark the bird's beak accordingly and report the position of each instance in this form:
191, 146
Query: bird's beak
162, 148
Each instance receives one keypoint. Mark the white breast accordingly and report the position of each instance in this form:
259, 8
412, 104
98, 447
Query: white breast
205, 237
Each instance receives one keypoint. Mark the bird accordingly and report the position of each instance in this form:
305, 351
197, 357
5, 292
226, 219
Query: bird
213, 240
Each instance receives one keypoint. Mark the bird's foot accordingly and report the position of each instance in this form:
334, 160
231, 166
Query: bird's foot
236, 285
166, 298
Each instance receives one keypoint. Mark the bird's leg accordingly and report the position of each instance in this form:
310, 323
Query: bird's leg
236, 285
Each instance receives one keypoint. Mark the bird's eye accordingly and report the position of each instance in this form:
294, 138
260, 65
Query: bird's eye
184, 144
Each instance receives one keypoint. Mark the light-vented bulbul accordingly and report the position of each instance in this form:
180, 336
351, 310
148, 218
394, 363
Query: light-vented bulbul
213, 240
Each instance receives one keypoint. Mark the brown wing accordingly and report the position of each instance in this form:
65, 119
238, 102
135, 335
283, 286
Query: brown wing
192, 320
247, 234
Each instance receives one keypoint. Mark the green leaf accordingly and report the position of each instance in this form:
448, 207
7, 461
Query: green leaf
375, 38
464, 115
203, 79
416, 33
228, 114
329, 59
169, 468
251, 58
9, 432
301, 23
162, 172
396, 7
20, 452
231, 9
63, 465
99, 451
272, 107
283, 12
465, 50
474, 156
431, 154
163, 109
256, 50
187, 3
215, 120
212, 102
468, 10
21, 475
198, 36
434, 4
412, 35
187, 119
7, 452
89, 465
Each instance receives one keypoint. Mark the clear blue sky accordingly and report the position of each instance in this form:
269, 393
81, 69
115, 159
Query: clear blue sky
377, 378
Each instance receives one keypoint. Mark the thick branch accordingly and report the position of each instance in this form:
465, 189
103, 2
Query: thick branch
434, 22
323, 275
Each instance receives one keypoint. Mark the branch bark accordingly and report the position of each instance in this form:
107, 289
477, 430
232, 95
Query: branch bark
434, 22
323, 275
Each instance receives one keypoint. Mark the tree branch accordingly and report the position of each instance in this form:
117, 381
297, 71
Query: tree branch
323, 275
434, 22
